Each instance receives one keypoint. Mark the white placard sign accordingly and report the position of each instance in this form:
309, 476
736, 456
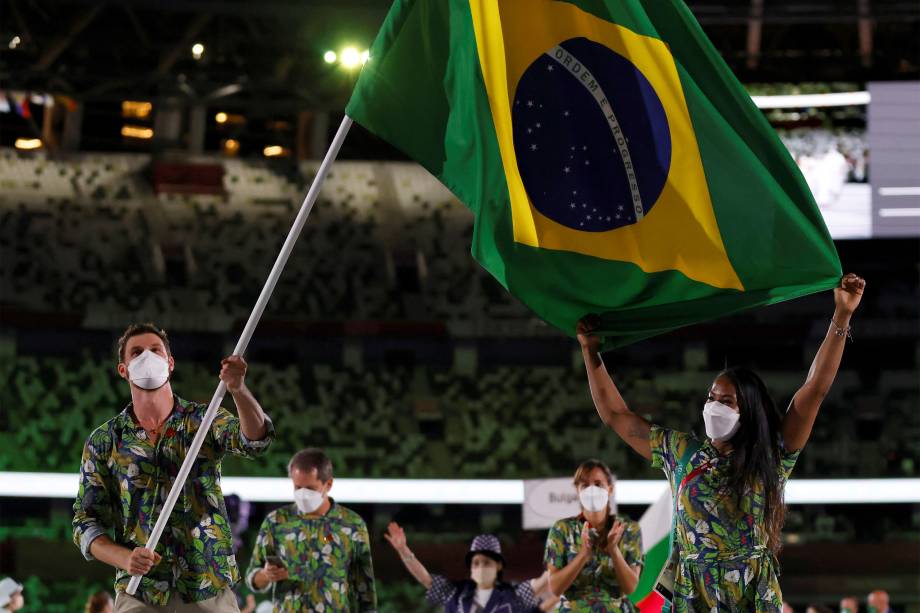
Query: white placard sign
548, 500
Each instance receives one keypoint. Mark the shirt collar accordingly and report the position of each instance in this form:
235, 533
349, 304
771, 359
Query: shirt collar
334, 511
581, 517
126, 419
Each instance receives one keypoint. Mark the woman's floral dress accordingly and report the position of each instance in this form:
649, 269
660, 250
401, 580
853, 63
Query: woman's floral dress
595, 589
725, 564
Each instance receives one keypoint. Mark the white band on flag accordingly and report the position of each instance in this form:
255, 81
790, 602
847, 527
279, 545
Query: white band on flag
578, 70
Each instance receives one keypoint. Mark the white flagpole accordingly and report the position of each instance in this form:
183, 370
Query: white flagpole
240, 349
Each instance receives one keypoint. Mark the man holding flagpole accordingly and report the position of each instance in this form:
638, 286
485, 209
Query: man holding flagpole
129, 466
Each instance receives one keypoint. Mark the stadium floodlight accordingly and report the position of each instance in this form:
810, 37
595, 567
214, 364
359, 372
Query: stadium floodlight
221, 117
197, 51
351, 58
26, 144
137, 132
136, 109
330, 57
273, 151
364, 55
226, 90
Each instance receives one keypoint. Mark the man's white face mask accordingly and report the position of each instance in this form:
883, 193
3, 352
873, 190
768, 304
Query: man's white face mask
307, 500
148, 371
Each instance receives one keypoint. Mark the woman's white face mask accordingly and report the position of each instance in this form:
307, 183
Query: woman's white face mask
484, 576
594, 498
148, 371
721, 421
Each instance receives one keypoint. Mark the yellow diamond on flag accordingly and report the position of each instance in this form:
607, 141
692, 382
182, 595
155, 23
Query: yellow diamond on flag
628, 183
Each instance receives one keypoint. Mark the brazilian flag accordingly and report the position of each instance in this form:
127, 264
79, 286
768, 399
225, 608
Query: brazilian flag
612, 161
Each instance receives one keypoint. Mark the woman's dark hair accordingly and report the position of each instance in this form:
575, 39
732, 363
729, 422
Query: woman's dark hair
756, 450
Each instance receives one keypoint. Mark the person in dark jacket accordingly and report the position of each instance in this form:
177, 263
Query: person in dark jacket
484, 591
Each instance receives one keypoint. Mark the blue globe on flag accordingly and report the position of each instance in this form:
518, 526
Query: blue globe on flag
591, 137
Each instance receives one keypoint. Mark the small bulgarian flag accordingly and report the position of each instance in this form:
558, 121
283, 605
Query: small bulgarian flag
613, 162
656, 527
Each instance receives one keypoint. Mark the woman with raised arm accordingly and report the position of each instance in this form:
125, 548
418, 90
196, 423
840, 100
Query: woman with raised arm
594, 558
484, 591
729, 486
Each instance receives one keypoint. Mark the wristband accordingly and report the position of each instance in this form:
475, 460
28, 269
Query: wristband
841, 331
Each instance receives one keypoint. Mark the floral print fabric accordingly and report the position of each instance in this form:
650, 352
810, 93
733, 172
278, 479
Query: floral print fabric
125, 479
725, 564
595, 589
328, 559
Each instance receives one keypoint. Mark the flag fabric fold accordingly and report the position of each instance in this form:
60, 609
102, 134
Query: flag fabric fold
613, 163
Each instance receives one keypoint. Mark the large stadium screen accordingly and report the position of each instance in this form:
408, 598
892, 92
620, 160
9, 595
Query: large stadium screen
864, 174
894, 142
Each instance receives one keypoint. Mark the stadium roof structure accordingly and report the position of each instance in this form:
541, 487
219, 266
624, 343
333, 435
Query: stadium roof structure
268, 54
